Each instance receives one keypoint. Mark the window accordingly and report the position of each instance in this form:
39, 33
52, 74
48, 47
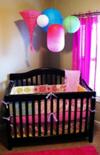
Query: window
94, 80
86, 50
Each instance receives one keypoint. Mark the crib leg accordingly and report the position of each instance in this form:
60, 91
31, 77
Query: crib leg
92, 116
8, 136
9, 147
91, 138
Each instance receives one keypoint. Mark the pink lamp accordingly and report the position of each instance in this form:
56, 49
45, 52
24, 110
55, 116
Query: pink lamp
30, 18
55, 38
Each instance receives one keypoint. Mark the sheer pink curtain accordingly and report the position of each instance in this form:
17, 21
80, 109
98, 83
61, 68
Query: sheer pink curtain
81, 52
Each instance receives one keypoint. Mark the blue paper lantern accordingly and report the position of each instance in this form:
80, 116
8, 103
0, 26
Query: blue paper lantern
54, 17
71, 24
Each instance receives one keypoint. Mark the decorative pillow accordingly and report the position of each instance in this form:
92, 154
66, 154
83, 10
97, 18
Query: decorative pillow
72, 78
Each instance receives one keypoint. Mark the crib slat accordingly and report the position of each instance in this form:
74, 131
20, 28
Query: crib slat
20, 116
45, 79
57, 127
87, 109
69, 116
36, 79
50, 78
63, 122
31, 80
41, 79
75, 114
60, 80
39, 118
21, 82
33, 119
14, 119
27, 123
27, 82
51, 118
55, 79
16, 82
45, 109
81, 109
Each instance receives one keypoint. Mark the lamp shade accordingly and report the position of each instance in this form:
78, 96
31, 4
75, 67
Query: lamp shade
71, 24
30, 18
55, 37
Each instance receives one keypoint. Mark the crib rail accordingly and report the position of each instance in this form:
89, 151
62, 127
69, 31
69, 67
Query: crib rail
51, 125
38, 77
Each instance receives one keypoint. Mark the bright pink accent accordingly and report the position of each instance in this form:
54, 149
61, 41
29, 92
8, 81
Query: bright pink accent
55, 38
54, 111
30, 18
82, 47
83, 150
43, 117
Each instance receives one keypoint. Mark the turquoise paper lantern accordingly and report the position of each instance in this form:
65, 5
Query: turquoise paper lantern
54, 17
71, 24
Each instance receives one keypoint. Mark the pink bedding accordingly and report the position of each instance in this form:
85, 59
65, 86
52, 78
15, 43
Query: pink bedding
48, 117
36, 116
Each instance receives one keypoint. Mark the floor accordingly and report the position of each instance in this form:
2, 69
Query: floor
96, 143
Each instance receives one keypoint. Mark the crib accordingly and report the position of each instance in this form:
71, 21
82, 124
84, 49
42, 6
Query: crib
42, 118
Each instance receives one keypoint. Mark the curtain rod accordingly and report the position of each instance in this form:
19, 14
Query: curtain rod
88, 14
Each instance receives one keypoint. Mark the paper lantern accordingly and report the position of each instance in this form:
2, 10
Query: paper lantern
30, 18
54, 16
71, 24
42, 20
55, 38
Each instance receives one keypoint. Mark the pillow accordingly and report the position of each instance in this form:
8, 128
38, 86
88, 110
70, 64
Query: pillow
72, 78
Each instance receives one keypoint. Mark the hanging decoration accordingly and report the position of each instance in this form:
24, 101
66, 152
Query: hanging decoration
30, 18
52, 22
42, 20
55, 38
54, 16
71, 24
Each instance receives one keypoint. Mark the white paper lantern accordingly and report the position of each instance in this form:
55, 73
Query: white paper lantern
42, 20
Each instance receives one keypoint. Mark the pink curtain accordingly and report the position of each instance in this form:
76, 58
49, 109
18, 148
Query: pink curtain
81, 52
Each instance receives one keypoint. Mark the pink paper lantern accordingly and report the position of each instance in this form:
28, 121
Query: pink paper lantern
55, 38
30, 18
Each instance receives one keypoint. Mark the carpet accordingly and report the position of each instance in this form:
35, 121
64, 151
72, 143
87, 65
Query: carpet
84, 150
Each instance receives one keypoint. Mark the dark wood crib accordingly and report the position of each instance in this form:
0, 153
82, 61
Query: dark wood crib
43, 132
